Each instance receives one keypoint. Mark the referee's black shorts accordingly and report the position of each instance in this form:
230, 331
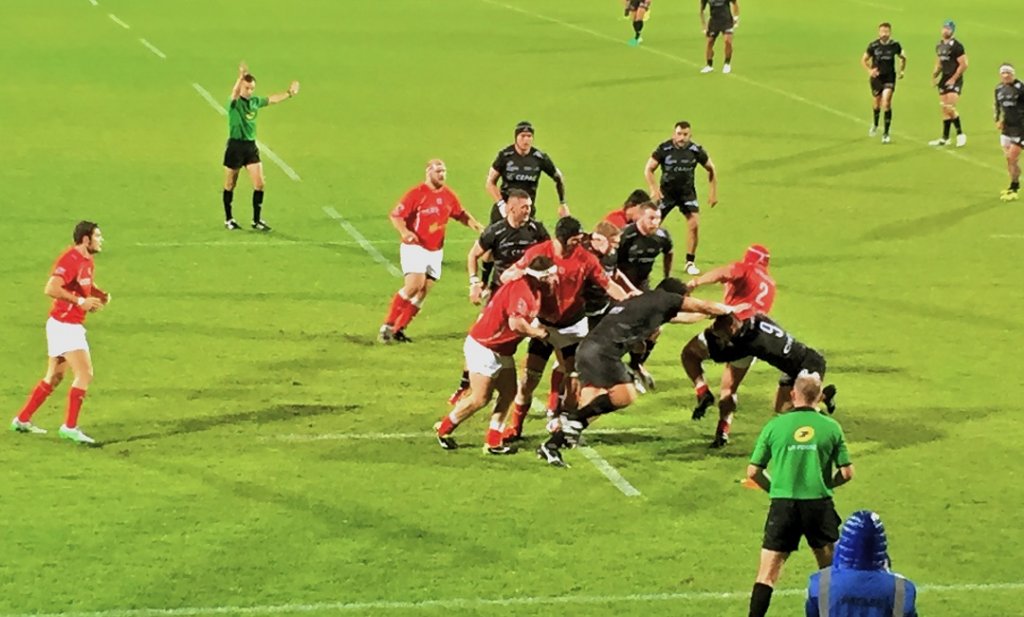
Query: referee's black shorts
240, 152
790, 519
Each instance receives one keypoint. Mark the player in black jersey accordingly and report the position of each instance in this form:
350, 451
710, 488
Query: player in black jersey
636, 11
1010, 123
504, 243
730, 339
678, 158
604, 242
950, 64
605, 380
724, 19
501, 244
642, 243
519, 166
880, 62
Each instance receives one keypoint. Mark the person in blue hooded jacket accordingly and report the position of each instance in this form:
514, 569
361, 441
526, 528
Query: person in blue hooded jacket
859, 582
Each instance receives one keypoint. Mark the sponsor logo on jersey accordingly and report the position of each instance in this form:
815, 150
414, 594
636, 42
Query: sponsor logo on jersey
804, 434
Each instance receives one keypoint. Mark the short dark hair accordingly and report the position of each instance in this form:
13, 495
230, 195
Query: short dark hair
248, 78
885, 24
682, 124
647, 205
540, 262
517, 194
83, 230
636, 198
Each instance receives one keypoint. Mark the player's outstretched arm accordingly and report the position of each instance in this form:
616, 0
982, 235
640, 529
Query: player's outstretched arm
688, 318
236, 90
718, 275
617, 293
292, 90
520, 325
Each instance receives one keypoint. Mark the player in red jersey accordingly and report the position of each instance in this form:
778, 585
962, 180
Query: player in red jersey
630, 209
507, 319
746, 282
420, 218
562, 311
74, 294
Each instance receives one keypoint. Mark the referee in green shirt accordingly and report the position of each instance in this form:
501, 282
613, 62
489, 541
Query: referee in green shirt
803, 447
241, 149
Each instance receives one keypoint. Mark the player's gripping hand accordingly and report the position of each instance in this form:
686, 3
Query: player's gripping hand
293, 89
92, 304
476, 292
563, 211
409, 237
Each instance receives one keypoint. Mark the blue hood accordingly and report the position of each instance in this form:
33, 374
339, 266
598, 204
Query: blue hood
862, 544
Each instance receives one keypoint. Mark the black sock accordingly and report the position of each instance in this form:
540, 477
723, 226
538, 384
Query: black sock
691, 257
257, 206
760, 599
945, 128
875, 112
728, 59
711, 62
888, 120
228, 196
1015, 185
956, 123
485, 272
464, 382
638, 25
597, 407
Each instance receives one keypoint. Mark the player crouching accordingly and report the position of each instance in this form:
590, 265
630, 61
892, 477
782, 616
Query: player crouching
507, 319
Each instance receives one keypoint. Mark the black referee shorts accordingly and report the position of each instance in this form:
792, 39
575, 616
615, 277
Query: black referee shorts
790, 519
240, 152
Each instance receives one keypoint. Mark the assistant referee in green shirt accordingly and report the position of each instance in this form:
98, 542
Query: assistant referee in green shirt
241, 150
808, 457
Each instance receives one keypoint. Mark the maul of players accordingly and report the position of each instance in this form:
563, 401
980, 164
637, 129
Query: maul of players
880, 62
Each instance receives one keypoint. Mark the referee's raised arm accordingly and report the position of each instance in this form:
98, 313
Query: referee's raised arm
236, 90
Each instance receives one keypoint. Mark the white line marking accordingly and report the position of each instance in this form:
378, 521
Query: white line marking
602, 465
609, 471
735, 76
463, 603
363, 242
153, 49
118, 21
1008, 236
94, 2
313, 437
288, 171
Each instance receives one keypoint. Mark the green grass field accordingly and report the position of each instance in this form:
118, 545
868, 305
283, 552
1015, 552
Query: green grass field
256, 449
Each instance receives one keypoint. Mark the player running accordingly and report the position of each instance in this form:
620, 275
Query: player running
880, 62
74, 291
636, 10
489, 347
1010, 123
606, 383
563, 310
724, 19
629, 210
502, 243
420, 218
746, 282
641, 244
731, 339
241, 150
678, 158
950, 64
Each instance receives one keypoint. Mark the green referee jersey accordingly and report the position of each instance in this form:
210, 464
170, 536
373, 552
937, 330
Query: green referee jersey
242, 116
803, 447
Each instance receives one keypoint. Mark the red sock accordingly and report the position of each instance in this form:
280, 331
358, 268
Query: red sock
447, 425
39, 394
518, 416
494, 434
554, 397
724, 426
701, 390
75, 398
398, 306
406, 316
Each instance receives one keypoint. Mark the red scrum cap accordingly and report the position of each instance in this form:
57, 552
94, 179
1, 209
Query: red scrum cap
757, 254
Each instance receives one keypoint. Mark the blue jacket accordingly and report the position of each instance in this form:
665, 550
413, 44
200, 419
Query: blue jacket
859, 593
